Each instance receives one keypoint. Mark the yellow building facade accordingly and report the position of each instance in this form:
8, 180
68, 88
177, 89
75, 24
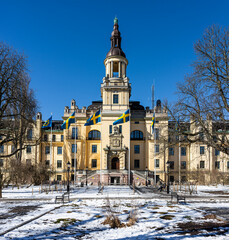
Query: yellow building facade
124, 153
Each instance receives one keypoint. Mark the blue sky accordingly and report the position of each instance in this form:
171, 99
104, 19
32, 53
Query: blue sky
67, 41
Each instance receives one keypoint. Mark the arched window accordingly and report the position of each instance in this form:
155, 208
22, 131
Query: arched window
94, 135
136, 135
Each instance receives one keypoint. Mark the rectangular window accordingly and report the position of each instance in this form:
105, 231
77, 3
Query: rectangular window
156, 148
115, 98
183, 151
94, 163
94, 148
47, 163
59, 163
110, 129
171, 165
0, 137
30, 134
202, 164
216, 152
53, 138
74, 148
45, 138
183, 179
136, 122
136, 149
171, 151
28, 149
12, 148
201, 136
183, 165
74, 133
227, 164
58, 177
120, 128
1, 149
62, 138
201, 150
156, 133
136, 163
73, 163
171, 178
1, 162
217, 164
47, 149
72, 177
59, 150
157, 163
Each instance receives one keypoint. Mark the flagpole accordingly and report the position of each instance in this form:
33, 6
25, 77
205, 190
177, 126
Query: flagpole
179, 152
154, 133
75, 157
101, 149
129, 153
51, 149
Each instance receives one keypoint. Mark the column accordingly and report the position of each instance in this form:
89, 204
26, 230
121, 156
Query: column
120, 69
112, 65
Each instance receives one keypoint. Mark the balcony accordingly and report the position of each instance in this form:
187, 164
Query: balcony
70, 137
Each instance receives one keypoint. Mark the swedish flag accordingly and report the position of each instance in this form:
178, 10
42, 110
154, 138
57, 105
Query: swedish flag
153, 122
95, 118
177, 124
48, 123
125, 117
68, 122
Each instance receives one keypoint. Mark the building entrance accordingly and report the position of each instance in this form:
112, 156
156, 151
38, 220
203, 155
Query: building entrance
115, 180
115, 163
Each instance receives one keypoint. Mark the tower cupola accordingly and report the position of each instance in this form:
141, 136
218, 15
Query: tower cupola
116, 49
115, 89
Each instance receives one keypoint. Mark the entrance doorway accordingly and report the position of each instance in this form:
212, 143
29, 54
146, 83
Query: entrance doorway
115, 180
115, 163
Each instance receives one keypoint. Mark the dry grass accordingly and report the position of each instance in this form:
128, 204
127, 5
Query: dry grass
113, 220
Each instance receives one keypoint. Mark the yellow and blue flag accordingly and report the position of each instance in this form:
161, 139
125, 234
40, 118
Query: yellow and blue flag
68, 122
95, 118
48, 123
125, 117
177, 124
153, 122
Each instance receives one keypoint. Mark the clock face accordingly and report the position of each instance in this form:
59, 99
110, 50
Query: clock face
116, 143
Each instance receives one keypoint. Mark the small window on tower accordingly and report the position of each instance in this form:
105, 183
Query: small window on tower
115, 98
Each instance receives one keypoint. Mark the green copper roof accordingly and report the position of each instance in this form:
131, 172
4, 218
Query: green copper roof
116, 20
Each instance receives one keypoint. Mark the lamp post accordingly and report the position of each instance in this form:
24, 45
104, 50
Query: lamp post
86, 175
146, 176
168, 166
68, 169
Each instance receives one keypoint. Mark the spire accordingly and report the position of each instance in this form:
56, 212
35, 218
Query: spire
116, 49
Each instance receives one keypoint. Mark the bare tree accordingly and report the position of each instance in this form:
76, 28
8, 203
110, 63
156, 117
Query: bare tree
17, 103
203, 97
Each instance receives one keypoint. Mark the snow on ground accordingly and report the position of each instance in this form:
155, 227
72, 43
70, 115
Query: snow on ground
82, 218
34, 192
50, 192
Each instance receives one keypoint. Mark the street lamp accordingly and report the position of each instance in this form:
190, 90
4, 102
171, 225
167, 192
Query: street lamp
168, 166
146, 176
86, 175
68, 165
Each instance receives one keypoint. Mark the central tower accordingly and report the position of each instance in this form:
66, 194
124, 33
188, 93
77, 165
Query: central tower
115, 89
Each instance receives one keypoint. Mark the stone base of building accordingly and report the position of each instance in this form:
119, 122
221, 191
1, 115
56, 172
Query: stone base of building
112, 177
